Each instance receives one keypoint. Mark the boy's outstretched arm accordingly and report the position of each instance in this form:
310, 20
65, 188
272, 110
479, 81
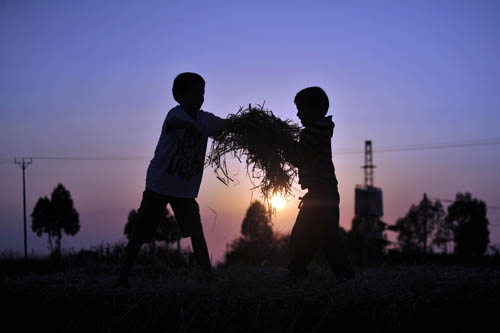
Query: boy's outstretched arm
175, 123
215, 125
292, 151
298, 151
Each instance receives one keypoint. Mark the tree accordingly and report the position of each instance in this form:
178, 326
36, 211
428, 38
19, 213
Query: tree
256, 224
132, 218
55, 216
257, 243
42, 220
420, 226
443, 236
467, 218
168, 231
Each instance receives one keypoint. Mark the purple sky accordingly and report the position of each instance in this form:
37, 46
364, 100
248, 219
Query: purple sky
93, 78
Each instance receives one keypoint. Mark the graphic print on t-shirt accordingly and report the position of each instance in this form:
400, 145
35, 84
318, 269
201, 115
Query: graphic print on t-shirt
189, 156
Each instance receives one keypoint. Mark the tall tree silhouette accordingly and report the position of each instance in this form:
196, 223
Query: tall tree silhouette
417, 229
467, 218
55, 217
366, 240
257, 243
256, 224
443, 235
42, 220
132, 219
168, 230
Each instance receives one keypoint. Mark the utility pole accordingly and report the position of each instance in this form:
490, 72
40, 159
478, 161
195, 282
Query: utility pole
24, 164
425, 222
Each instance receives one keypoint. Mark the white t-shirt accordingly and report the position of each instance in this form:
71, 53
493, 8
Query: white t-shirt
177, 166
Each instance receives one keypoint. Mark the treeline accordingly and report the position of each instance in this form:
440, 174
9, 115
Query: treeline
427, 233
426, 228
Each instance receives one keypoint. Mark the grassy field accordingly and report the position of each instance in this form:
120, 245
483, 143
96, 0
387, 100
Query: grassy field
77, 295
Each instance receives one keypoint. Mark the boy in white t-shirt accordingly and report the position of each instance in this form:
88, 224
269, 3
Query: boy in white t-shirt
174, 174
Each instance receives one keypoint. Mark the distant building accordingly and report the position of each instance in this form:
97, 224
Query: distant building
368, 201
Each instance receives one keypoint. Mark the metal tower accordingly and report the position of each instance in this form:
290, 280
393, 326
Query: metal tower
368, 164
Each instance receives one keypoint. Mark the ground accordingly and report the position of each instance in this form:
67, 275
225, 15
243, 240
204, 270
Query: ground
252, 298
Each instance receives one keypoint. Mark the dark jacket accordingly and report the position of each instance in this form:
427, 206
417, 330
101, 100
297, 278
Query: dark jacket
312, 155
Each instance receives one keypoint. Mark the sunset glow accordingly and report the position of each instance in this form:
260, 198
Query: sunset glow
99, 76
278, 202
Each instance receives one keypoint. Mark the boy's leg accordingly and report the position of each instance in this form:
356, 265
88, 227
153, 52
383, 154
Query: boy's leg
304, 240
333, 246
149, 215
187, 214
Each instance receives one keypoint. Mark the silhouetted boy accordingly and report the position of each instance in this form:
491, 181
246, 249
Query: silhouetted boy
174, 174
317, 222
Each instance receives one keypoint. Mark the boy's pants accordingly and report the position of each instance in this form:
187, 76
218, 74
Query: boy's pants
187, 215
316, 227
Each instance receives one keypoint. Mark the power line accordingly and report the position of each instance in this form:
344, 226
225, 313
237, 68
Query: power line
91, 158
383, 149
425, 146
452, 201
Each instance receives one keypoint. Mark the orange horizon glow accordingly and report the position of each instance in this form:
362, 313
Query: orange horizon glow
278, 202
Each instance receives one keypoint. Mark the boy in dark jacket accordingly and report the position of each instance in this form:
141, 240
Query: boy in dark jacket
317, 223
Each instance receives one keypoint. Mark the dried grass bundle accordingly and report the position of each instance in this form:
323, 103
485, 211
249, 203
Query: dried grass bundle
249, 135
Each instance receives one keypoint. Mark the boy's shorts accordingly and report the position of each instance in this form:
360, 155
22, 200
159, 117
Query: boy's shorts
152, 210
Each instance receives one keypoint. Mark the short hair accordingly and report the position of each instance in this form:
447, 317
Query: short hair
314, 97
184, 81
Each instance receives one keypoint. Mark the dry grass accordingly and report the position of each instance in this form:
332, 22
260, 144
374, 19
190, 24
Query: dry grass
255, 298
248, 137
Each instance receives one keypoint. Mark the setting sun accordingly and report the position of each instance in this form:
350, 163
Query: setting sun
278, 202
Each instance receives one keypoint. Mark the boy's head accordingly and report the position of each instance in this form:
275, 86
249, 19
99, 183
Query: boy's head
312, 104
189, 90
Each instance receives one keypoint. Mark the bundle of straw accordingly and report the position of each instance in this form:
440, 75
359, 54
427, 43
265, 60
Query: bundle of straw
250, 134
